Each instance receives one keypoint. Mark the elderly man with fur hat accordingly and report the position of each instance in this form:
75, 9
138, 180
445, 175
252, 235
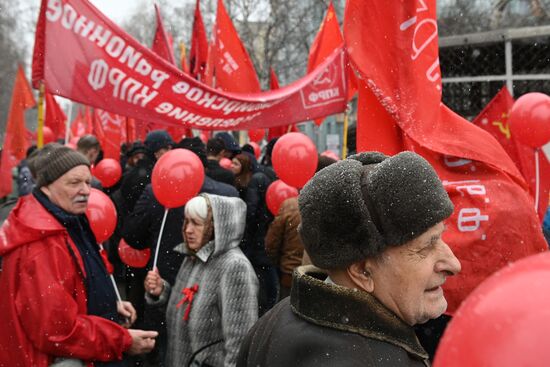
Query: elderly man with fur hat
58, 305
375, 224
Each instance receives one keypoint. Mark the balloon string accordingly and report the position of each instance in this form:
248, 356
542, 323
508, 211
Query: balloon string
160, 237
537, 180
116, 288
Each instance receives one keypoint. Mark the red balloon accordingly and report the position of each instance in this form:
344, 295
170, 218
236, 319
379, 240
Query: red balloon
256, 135
530, 119
101, 214
257, 150
225, 163
330, 154
294, 159
132, 257
504, 322
204, 137
277, 193
177, 177
108, 172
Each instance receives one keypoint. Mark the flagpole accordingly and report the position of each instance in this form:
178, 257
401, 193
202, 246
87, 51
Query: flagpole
68, 123
537, 180
40, 127
345, 134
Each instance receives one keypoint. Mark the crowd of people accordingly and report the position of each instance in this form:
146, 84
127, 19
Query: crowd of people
339, 276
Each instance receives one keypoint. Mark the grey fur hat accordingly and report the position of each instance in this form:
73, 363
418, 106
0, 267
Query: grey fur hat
357, 207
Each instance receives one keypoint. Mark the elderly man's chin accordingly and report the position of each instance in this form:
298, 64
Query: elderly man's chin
79, 207
437, 306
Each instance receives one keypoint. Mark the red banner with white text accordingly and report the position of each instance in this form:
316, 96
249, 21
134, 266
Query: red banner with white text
84, 56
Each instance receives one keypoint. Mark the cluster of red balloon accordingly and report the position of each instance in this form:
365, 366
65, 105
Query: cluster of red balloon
503, 322
294, 160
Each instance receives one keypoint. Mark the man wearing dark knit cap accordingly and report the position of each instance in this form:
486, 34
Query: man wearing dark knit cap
374, 224
59, 305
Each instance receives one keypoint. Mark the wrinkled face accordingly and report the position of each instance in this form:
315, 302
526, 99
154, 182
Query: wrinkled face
193, 232
408, 278
70, 192
236, 166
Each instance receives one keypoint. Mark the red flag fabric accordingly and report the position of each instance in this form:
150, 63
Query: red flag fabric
328, 38
15, 138
54, 118
278, 131
198, 56
162, 42
494, 120
92, 61
112, 137
494, 222
234, 70
78, 125
183, 59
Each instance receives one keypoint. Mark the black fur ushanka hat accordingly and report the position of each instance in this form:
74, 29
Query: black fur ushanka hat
359, 206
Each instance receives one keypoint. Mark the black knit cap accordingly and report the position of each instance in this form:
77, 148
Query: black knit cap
356, 208
53, 162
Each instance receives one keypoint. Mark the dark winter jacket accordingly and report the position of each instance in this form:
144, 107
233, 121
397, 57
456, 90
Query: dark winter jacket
134, 181
327, 325
258, 218
218, 173
44, 312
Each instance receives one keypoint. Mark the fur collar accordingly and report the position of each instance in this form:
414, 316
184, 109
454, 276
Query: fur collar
350, 310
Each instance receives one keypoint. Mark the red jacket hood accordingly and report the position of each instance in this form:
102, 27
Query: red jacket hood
28, 221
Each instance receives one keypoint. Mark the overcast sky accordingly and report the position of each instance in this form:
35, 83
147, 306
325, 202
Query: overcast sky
117, 10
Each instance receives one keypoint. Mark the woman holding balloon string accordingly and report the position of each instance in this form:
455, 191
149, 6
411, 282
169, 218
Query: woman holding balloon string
213, 302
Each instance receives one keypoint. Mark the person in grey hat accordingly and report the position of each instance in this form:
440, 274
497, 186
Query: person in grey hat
374, 224
59, 301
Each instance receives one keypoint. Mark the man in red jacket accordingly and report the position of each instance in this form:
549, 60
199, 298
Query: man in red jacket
57, 300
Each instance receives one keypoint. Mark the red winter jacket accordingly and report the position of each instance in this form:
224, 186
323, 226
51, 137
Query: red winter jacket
43, 299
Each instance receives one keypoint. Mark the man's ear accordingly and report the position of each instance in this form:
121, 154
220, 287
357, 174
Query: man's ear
46, 191
360, 275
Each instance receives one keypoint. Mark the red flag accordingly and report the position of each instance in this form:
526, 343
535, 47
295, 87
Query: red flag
15, 139
275, 132
234, 70
326, 41
183, 59
198, 56
494, 120
162, 42
494, 222
55, 118
78, 127
112, 126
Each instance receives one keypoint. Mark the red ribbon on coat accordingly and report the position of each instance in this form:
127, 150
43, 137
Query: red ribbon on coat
188, 295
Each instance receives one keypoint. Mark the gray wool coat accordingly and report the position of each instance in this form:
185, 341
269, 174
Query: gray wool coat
225, 306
